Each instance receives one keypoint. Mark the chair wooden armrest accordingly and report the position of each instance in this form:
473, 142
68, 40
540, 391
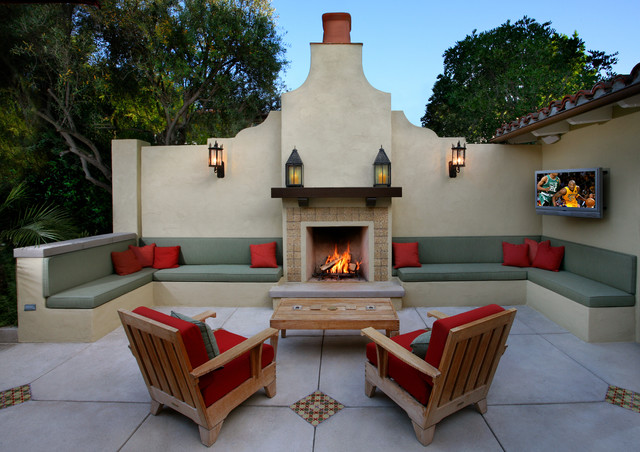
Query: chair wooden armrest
223, 358
437, 314
400, 352
204, 316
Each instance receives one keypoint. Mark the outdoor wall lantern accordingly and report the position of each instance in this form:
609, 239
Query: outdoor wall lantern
458, 159
382, 170
294, 170
215, 159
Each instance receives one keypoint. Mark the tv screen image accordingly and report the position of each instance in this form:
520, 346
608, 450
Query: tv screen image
569, 192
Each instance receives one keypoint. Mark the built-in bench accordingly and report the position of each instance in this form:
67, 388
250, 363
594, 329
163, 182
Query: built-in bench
75, 279
589, 277
216, 260
69, 292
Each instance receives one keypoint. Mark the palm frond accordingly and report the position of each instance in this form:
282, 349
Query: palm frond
16, 194
40, 224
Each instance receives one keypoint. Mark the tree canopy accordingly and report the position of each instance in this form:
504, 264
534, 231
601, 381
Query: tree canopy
167, 72
495, 76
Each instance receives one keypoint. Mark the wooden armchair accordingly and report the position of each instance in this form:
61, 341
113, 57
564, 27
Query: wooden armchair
457, 371
178, 373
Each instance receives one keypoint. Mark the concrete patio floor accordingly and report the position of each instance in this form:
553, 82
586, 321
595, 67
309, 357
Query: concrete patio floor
548, 394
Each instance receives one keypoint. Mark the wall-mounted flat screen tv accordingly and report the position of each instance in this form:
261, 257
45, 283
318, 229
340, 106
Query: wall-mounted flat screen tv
570, 192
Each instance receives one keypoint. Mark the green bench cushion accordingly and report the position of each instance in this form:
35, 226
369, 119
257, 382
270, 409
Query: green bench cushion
461, 272
215, 250
95, 293
66, 271
585, 291
608, 267
462, 250
218, 273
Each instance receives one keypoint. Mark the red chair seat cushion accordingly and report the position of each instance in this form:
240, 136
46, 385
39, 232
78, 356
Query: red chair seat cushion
415, 383
406, 376
191, 336
234, 373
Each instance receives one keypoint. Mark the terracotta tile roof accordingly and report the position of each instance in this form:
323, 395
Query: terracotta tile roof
603, 93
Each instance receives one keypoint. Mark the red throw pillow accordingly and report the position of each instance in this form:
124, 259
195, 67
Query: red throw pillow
144, 254
264, 255
515, 255
125, 262
406, 255
533, 247
549, 257
166, 257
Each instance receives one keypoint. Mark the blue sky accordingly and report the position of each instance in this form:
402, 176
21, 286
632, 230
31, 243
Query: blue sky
404, 40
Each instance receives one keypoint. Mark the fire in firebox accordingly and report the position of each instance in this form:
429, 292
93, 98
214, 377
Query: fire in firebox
339, 265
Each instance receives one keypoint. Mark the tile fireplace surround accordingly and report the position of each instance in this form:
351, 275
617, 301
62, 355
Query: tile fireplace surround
297, 219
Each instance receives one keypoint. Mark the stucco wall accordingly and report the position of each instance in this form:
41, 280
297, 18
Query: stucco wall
182, 197
490, 196
612, 145
336, 120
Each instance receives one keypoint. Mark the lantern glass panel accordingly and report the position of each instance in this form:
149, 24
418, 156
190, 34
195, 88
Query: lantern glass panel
382, 175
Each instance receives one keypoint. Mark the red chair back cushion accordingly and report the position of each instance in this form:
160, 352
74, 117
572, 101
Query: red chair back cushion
441, 328
191, 336
234, 373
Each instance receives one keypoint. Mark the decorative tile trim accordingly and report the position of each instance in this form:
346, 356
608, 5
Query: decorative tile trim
316, 407
15, 396
623, 398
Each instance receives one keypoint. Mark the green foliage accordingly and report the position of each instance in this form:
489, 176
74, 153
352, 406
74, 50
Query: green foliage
24, 224
496, 76
8, 303
206, 68
61, 183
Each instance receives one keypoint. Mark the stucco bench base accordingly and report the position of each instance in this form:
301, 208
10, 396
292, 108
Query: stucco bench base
212, 294
78, 325
591, 324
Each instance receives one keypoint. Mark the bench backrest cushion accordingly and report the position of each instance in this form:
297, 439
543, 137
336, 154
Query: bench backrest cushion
214, 250
456, 250
64, 271
608, 267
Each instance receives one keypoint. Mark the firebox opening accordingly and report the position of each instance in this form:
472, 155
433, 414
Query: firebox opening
337, 253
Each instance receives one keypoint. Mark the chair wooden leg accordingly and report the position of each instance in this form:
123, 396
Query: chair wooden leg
424, 435
369, 389
155, 407
270, 390
481, 406
209, 436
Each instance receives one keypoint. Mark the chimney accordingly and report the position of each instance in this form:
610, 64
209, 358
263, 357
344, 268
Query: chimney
337, 28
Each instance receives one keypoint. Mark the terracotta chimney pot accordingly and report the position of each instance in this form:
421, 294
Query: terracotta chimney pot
337, 28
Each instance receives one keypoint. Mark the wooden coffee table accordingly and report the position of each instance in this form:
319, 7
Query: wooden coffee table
335, 314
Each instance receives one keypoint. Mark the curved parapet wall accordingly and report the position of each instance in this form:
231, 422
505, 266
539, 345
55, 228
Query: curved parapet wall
336, 119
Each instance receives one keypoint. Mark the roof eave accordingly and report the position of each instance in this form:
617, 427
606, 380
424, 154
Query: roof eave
602, 101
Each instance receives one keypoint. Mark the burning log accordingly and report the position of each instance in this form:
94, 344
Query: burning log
330, 264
